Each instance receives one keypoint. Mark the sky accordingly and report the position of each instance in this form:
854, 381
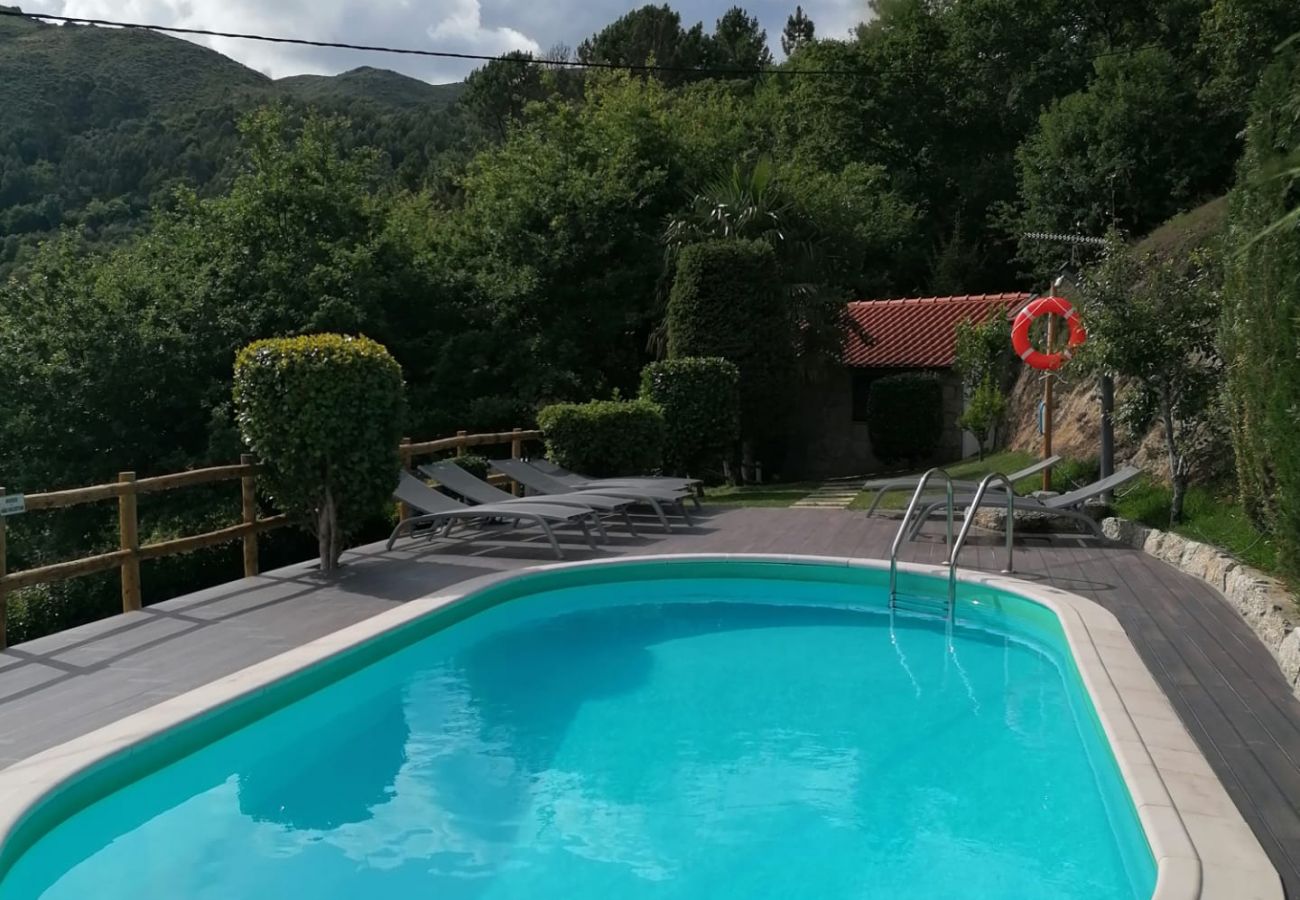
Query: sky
487, 27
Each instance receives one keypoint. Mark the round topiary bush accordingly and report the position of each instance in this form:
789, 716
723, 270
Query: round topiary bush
604, 437
324, 413
700, 399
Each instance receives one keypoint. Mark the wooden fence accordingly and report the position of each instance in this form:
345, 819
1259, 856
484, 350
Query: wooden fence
128, 488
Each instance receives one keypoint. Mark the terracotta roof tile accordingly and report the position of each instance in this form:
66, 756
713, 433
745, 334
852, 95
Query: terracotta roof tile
916, 332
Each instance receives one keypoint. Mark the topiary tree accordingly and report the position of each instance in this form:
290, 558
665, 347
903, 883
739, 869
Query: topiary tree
604, 437
1260, 331
905, 417
700, 399
725, 302
324, 414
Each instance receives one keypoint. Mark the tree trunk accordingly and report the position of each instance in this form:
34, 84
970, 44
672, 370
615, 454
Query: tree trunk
327, 534
1177, 477
747, 461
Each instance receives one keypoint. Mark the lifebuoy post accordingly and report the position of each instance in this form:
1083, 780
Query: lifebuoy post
1049, 377
1048, 361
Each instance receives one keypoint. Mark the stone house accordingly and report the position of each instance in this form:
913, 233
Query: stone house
916, 334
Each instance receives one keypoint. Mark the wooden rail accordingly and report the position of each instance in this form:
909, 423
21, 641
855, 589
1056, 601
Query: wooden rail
130, 553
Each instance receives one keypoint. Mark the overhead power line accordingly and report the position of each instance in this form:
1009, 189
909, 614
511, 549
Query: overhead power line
476, 57
436, 54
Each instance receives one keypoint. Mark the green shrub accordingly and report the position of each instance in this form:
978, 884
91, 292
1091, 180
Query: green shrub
324, 414
700, 399
905, 417
474, 465
984, 411
1260, 330
604, 437
725, 302
1071, 474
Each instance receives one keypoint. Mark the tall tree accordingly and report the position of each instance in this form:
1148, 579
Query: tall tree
1133, 146
497, 93
649, 35
739, 42
799, 30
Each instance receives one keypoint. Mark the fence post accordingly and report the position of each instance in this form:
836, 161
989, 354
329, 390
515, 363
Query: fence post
3, 572
404, 511
460, 442
248, 507
516, 452
129, 532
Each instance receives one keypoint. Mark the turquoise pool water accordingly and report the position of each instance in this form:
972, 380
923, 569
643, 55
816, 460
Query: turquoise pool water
691, 737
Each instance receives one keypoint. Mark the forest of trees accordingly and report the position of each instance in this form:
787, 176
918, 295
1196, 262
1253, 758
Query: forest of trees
511, 240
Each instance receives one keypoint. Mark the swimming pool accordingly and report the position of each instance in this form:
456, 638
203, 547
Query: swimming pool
685, 729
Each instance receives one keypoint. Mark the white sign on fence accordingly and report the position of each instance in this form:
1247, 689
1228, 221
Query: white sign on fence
12, 505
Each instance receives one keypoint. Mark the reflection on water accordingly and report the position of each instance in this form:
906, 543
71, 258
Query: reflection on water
310, 792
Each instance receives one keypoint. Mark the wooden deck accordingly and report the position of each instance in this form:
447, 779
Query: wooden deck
1221, 680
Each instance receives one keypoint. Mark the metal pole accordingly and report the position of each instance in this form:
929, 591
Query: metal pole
1048, 380
1106, 387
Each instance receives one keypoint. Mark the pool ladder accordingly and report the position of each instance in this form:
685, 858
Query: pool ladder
917, 603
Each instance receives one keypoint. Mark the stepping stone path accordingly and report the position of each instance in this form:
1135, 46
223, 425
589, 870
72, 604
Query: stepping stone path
837, 493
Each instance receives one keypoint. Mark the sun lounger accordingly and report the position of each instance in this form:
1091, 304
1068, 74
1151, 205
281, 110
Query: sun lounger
580, 481
1065, 506
883, 486
438, 509
538, 481
477, 490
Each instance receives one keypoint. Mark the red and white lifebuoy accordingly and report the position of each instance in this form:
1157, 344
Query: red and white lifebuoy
1044, 306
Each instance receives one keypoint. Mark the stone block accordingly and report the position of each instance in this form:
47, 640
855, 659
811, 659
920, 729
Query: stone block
1288, 658
994, 519
1123, 531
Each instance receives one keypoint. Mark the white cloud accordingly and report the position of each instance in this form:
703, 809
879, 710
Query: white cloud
447, 25
482, 27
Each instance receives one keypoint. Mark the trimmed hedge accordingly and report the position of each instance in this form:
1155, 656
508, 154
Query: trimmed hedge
725, 302
905, 417
324, 414
1260, 334
604, 437
700, 399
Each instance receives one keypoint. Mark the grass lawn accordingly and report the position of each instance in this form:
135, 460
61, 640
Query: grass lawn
1210, 514
772, 495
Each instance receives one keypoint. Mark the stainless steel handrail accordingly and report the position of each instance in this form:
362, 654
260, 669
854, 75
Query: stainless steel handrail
902, 531
970, 520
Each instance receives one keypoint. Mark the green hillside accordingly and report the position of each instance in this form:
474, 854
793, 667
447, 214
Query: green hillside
100, 126
378, 86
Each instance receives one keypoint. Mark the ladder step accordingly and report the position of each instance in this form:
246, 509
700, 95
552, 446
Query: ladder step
915, 603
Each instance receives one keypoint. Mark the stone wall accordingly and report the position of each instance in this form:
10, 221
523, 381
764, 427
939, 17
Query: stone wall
826, 441
1264, 602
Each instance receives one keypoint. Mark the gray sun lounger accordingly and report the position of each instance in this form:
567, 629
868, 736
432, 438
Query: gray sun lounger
580, 481
438, 509
883, 486
654, 497
1065, 506
476, 490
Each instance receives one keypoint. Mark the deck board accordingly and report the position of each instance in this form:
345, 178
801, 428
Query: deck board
1219, 678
